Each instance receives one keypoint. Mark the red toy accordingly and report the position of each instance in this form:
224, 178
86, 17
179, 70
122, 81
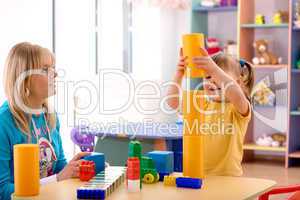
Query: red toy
86, 170
213, 46
282, 190
133, 168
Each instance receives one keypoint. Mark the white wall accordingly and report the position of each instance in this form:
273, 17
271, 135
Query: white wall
23, 20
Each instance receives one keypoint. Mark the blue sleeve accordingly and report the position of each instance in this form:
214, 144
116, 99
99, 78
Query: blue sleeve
61, 160
6, 184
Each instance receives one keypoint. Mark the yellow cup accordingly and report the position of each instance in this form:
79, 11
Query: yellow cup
26, 170
191, 48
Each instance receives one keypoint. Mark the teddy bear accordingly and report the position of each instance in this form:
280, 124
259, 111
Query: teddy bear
264, 57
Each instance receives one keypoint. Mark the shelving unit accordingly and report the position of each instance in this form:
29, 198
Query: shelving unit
294, 100
283, 43
210, 21
248, 33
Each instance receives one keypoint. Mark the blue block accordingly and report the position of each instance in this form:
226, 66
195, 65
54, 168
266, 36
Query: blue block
99, 160
162, 175
163, 160
185, 182
85, 193
174, 145
178, 161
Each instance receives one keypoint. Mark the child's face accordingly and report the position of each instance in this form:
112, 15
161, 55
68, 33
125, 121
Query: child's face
214, 90
43, 85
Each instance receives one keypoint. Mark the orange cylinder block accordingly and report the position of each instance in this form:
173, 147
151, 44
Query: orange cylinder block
26, 170
191, 48
193, 156
193, 105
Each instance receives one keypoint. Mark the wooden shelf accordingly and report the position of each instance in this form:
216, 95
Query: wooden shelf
215, 9
295, 112
264, 26
271, 66
263, 148
295, 154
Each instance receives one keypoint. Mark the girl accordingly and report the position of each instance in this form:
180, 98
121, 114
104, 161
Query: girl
223, 147
18, 125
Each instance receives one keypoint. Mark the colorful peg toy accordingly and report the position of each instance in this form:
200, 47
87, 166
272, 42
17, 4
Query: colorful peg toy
133, 174
86, 170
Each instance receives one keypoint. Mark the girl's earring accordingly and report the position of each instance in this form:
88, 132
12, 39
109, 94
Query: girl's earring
27, 92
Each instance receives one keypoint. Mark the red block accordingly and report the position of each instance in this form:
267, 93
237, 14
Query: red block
133, 168
86, 170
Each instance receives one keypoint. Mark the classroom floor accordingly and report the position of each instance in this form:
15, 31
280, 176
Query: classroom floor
273, 170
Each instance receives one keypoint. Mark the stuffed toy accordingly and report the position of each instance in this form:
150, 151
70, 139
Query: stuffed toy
260, 19
231, 48
281, 17
210, 3
213, 46
263, 56
262, 95
273, 140
280, 138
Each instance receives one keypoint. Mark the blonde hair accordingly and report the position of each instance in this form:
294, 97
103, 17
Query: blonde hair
21, 58
241, 69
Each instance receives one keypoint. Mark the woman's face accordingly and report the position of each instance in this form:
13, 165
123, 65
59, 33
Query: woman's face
43, 85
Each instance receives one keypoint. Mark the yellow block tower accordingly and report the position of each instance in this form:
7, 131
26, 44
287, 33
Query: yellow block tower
193, 104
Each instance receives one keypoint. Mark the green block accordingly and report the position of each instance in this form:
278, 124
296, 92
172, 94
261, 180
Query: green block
135, 149
147, 163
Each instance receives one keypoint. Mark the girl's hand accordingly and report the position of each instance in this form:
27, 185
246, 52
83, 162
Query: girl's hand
72, 168
181, 66
205, 62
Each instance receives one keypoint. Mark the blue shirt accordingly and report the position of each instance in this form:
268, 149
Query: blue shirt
10, 135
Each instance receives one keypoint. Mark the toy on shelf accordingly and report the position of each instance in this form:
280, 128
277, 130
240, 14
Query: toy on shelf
298, 64
26, 170
263, 55
280, 138
103, 184
83, 139
193, 138
210, 3
86, 170
231, 48
164, 162
281, 17
274, 140
260, 19
228, 2
262, 95
133, 174
186, 182
148, 172
213, 46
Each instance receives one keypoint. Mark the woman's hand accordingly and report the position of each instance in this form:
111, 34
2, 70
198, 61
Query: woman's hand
72, 168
